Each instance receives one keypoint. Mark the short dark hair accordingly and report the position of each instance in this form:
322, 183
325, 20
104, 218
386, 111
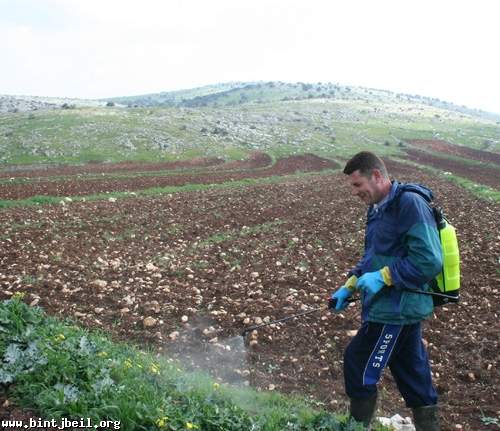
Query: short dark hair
365, 162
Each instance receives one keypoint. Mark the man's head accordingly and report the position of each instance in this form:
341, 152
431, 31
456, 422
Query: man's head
368, 177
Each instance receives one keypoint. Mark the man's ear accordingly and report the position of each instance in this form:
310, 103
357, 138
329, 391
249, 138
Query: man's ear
377, 175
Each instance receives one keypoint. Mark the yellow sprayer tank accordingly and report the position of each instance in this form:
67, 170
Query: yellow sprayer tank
449, 278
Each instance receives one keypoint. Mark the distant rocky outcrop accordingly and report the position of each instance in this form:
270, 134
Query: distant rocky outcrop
10, 103
18, 104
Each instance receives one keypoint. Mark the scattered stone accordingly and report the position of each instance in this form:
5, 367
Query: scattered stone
149, 322
397, 423
151, 267
101, 284
471, 377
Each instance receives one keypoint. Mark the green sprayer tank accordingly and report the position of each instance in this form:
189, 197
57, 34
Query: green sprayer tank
448, 280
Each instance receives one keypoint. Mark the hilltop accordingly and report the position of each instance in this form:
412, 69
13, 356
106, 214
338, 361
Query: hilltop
240, 93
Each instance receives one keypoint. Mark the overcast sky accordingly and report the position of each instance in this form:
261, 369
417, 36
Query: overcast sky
102, 48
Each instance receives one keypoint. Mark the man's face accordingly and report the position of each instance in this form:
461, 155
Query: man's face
367, 189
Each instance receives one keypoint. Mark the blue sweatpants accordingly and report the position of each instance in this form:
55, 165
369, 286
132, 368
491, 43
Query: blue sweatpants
399, 346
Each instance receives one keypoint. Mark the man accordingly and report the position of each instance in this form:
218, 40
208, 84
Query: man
402, 252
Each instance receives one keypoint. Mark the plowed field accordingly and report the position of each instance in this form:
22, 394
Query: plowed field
486, 175
229, 258
447, 148
258, 166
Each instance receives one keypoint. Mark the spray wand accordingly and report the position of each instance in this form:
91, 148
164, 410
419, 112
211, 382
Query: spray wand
332, 303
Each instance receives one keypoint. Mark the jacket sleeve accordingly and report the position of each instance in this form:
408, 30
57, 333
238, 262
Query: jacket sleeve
358, 269
423, 260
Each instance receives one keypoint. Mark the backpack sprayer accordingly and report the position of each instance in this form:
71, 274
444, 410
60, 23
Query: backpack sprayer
445, 288
333, 302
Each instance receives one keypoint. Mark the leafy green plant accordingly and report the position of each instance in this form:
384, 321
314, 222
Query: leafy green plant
63, 371
488, 420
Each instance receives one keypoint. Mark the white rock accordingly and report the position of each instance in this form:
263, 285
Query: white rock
101, 284
149, 322
397, 422
151, 267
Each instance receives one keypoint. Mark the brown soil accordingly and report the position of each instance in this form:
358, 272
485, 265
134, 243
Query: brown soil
80, 186
99, 168
456, 150
267, 251
255, 160
480, 174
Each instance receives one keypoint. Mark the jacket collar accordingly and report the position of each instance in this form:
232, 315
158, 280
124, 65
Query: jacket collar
393, 193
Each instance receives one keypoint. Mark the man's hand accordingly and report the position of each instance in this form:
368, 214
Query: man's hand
372, 282
338, 300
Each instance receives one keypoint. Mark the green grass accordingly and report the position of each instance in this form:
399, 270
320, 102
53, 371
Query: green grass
63, 371
479, 190
275, 126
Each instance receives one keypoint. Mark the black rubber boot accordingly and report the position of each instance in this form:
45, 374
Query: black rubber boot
426, 418
362, 409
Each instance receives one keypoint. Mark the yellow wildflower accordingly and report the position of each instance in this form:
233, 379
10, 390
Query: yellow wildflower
216, 386
154, 369
162, 422
127, 364
58, 338
102, 354
191, 426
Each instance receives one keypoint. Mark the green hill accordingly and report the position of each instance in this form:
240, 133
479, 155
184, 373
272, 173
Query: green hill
231, 120
240, 93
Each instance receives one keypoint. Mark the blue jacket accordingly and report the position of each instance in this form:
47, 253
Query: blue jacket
401, 233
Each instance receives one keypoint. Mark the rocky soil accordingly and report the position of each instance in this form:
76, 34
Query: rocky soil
186, 273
